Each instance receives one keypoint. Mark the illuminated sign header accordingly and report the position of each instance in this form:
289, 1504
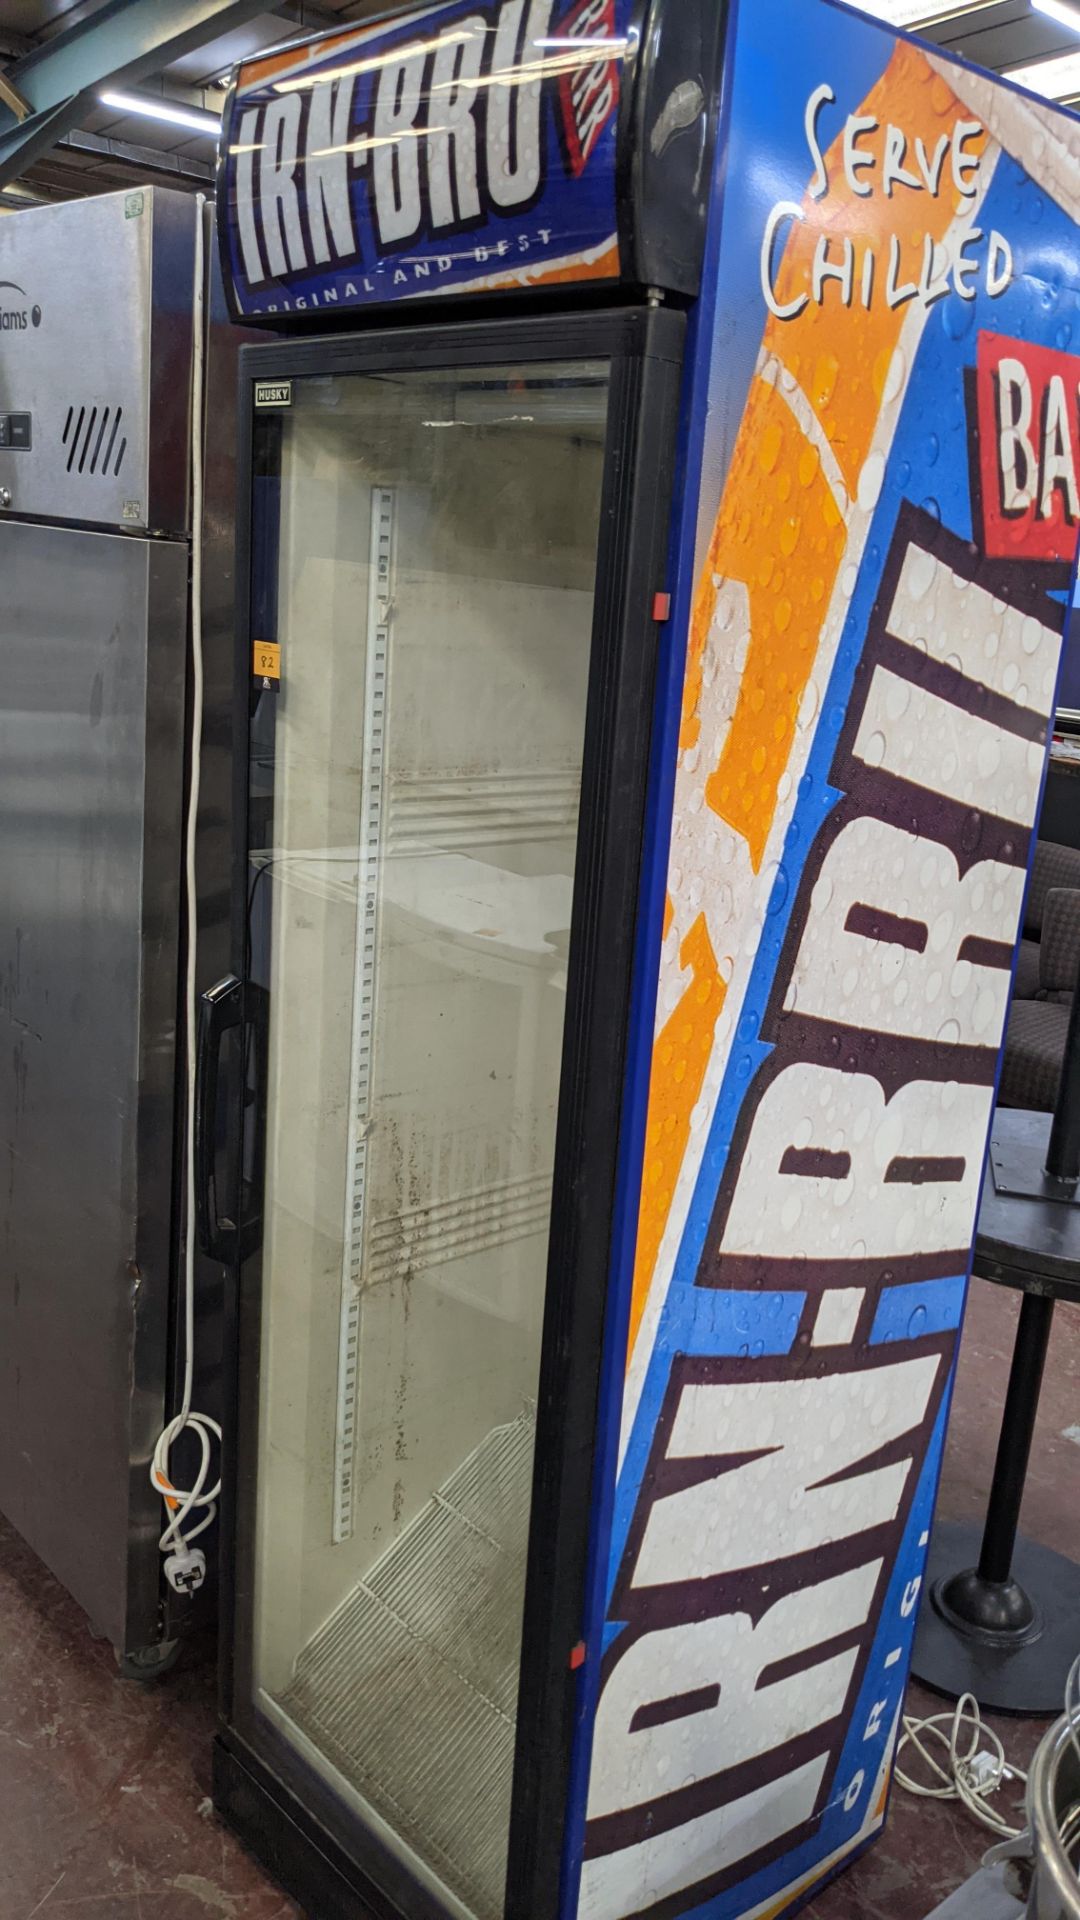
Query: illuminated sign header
462, 149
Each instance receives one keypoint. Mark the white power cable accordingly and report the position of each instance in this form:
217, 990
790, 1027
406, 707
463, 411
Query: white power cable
969, 1772
185, 1567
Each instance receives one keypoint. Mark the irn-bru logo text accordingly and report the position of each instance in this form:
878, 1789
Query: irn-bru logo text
1029, 448
439, 135
759, 1598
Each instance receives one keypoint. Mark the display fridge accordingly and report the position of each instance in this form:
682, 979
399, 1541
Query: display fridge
657, 527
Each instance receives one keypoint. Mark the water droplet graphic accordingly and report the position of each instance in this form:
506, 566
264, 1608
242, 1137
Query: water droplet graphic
824, 381
781, 888
958, 316
894, 379
871, 480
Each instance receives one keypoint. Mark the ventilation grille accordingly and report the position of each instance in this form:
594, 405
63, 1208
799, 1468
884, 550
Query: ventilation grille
410, 1689
95, 440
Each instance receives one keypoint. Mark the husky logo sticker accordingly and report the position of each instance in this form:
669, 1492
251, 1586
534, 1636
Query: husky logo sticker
470, 145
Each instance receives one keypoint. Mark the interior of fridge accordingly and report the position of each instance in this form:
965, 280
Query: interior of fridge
410, 911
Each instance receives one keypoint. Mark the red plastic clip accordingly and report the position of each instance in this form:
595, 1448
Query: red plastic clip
661, 608
577, 1656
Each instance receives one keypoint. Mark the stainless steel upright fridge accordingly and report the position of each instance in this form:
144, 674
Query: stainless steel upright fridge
655, 537
97, 356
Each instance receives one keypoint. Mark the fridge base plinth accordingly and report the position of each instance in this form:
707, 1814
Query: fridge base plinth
273, 1826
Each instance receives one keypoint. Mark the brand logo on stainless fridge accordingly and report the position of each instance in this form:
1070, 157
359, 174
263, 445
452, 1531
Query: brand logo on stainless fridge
16, 319
446, 133
273, 393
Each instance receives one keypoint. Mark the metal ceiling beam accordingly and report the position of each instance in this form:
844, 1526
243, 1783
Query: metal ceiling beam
12, 44
147, 159
22, 197
307, 16
124, 40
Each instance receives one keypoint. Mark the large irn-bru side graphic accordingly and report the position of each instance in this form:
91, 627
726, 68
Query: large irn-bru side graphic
889, 516
461, 147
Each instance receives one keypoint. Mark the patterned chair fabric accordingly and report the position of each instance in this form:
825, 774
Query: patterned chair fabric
1055, 866
1034, 1046
1046, 976
1059, 947
1027, 983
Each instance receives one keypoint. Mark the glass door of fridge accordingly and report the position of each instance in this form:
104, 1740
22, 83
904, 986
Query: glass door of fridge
424, 567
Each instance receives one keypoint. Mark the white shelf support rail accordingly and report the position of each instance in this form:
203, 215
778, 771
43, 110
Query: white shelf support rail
372, 824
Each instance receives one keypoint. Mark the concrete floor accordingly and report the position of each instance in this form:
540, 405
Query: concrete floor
104, 1808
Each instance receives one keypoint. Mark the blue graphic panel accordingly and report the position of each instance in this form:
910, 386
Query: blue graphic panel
878, 252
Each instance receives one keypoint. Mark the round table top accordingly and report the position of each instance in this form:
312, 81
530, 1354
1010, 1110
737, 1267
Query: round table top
1021, 1242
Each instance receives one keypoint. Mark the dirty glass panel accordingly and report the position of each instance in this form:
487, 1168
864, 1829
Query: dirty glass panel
425, 561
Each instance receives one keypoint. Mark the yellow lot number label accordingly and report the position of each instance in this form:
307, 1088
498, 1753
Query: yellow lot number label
267, 661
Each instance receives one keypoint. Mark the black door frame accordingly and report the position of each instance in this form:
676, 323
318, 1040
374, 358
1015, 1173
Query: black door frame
281, 1807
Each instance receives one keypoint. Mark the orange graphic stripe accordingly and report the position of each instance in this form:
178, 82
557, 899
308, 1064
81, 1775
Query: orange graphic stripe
781, 533
798, 1892
292, 62
841, 357
682, 1056
604, 267
777, 530
803, 1887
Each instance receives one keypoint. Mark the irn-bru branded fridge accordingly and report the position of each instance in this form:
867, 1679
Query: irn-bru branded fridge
661, 518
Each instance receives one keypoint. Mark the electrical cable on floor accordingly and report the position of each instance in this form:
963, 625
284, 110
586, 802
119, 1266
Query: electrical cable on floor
185, 1565
973, 1773
968, 1770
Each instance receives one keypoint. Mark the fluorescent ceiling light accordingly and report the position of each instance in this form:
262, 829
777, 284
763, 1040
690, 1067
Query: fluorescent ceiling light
919, 13
171, 111
1057, 10
1057, 79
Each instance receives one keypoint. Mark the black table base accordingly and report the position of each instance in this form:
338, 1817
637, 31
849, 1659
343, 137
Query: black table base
1000, 1616
1021, 1670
